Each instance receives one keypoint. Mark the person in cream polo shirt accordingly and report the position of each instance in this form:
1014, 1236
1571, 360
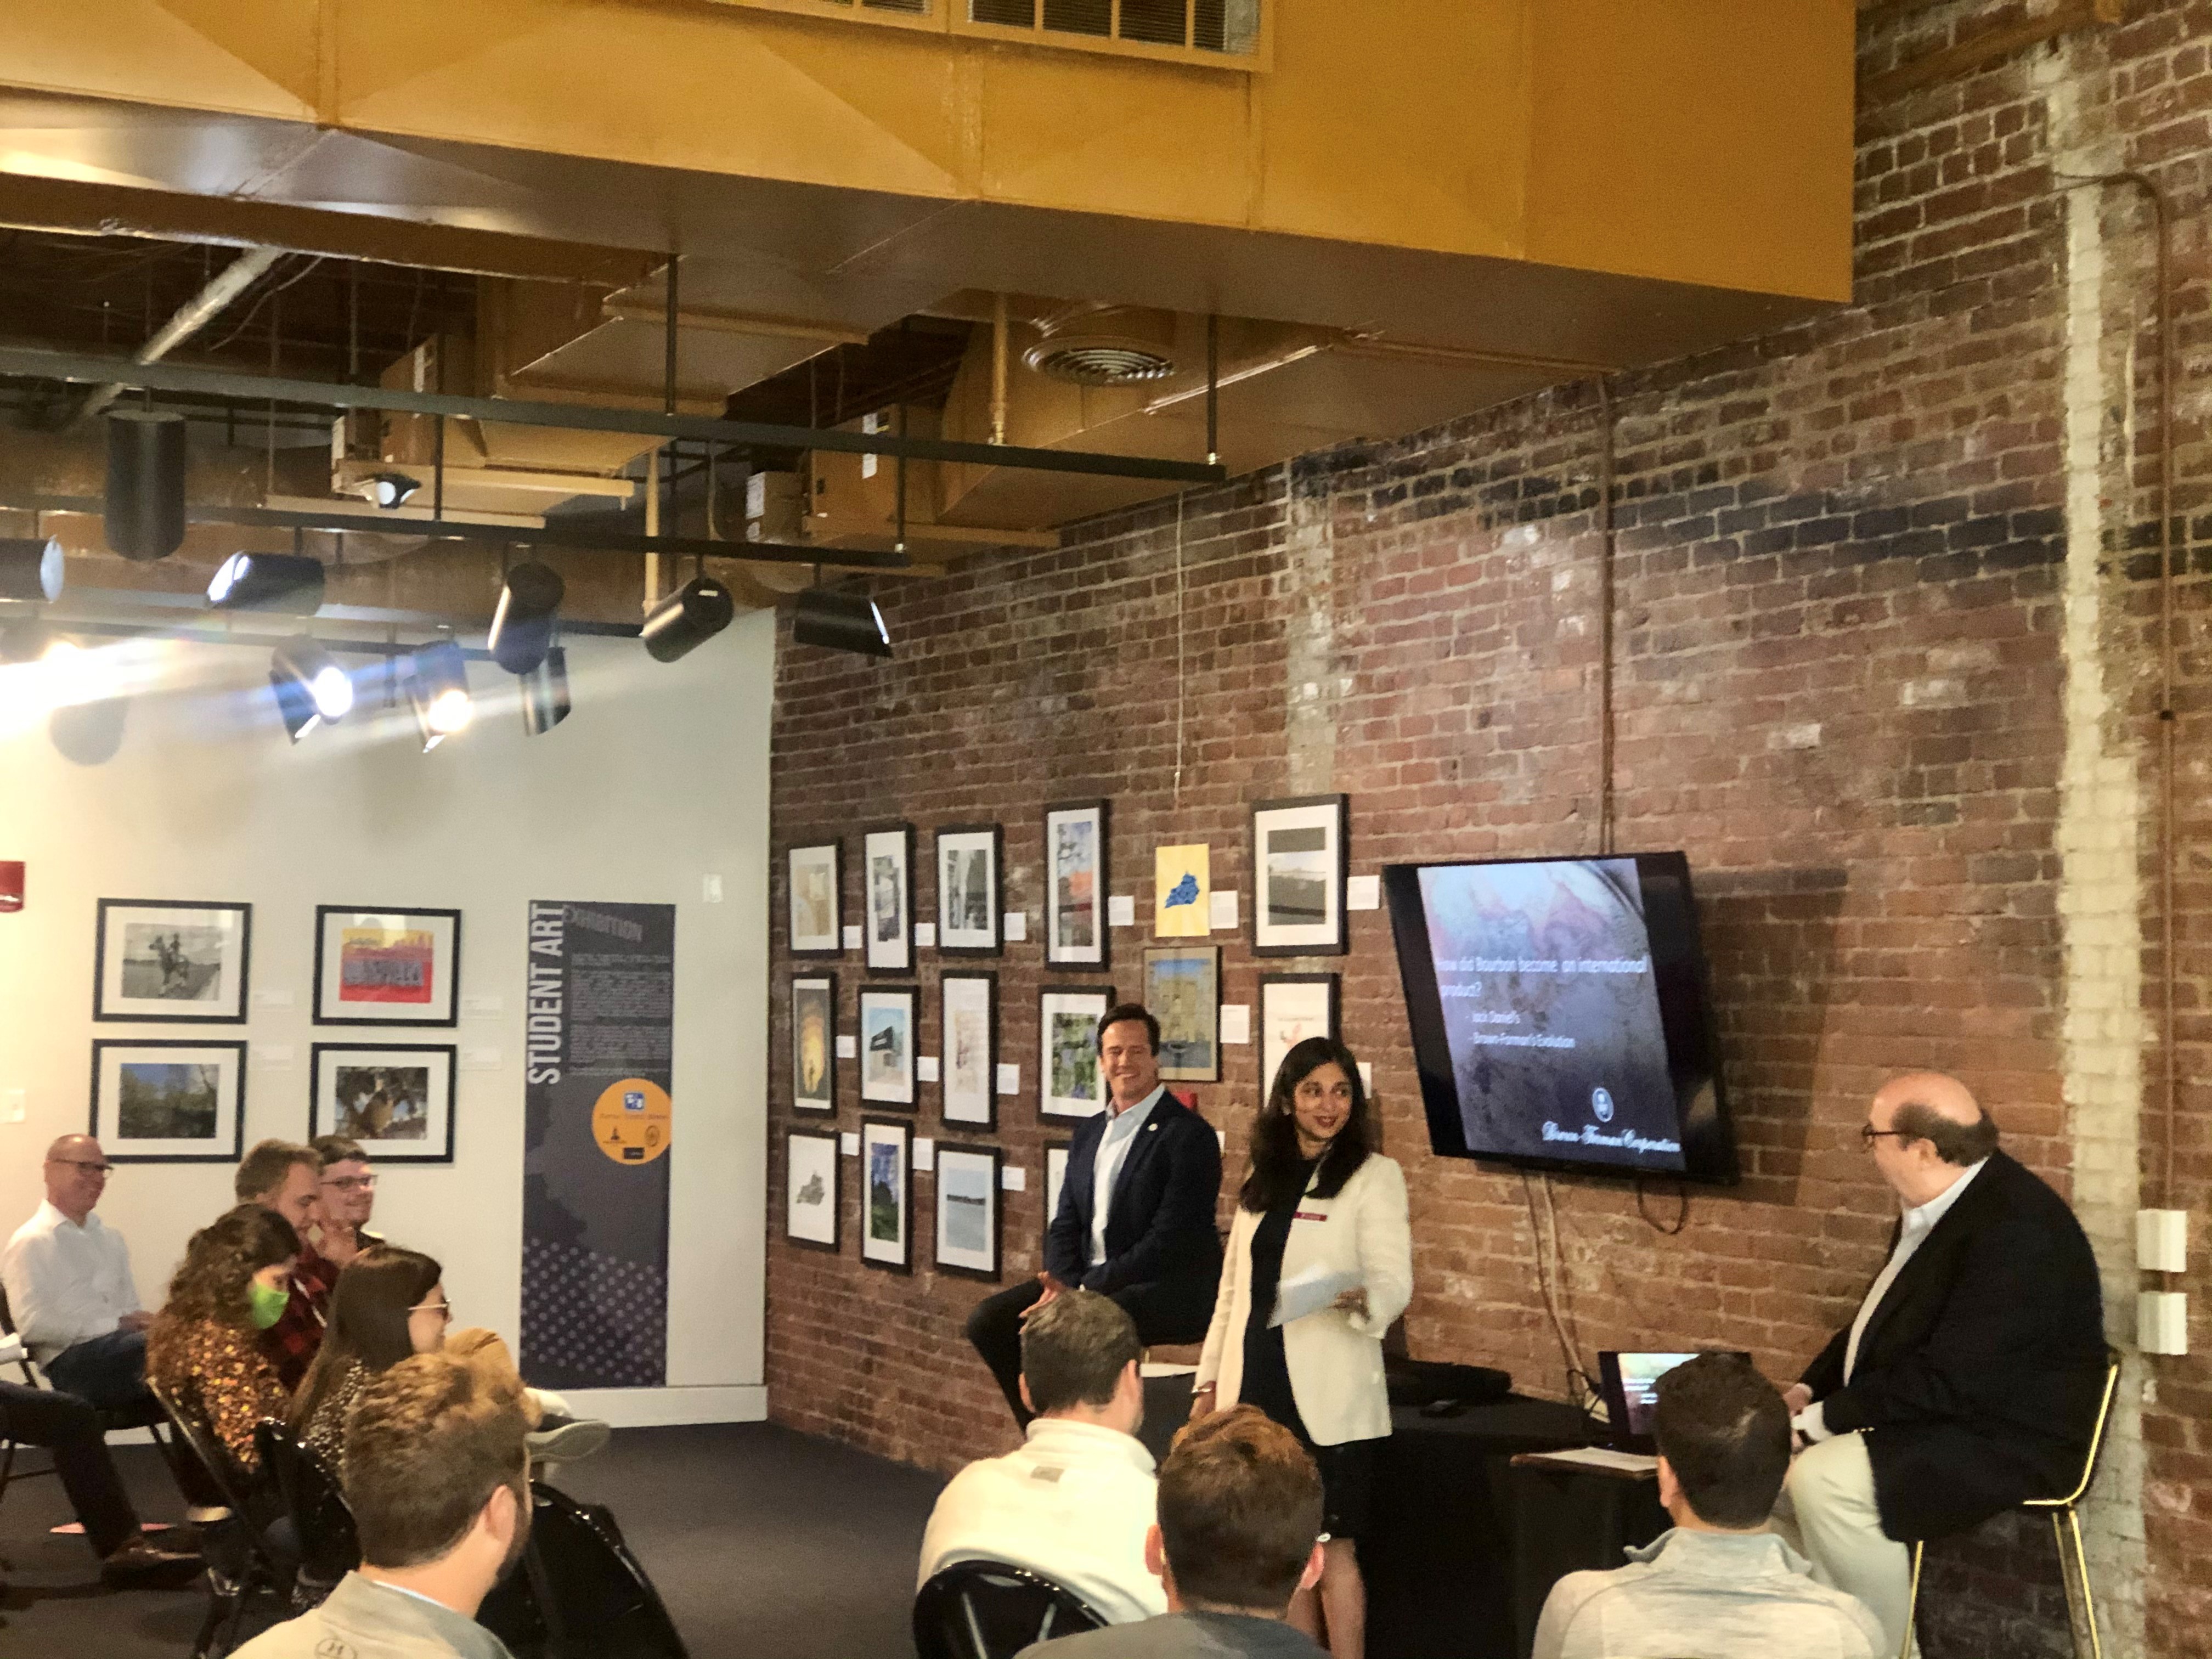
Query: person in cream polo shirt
1320, 1215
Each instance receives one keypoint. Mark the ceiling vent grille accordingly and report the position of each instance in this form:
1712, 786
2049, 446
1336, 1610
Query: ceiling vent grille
1106, 346
1228, 27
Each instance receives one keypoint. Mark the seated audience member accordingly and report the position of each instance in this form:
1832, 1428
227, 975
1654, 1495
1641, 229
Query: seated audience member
1719, 1585
1238, 1535
69, 1288
286, 1177
1970, 1379
1076, 1501
203, 1351
71, 1429
437, 1478
345, 1197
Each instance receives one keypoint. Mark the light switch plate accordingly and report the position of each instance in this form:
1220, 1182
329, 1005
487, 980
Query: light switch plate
710, 889
2162, 1321
14, 1105
2162, 1241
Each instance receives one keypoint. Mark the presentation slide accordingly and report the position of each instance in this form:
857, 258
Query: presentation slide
1551, 1012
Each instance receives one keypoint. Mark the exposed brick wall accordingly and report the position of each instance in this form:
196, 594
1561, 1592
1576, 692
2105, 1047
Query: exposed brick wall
1840, 688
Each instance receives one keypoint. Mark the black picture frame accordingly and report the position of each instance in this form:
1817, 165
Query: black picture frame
992, 944
910, 996
1065, 1147
444, 1056
1333, 985
108, 1002
1329, 938
996, 1160
361, 1015
1056, 955
830, 1139
945, 1040
117, 1147
897, 1132
1103, 996
1176, 1062
823, 986
793, 858
887, 955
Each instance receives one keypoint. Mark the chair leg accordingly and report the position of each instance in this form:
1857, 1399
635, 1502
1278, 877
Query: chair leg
1911, 1602
2082, 1569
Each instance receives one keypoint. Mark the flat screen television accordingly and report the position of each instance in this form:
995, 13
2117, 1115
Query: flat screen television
1559, 1014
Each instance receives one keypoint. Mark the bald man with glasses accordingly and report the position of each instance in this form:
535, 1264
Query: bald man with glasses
70, 1287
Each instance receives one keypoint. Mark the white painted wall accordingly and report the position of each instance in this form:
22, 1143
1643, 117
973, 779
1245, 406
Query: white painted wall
657, 779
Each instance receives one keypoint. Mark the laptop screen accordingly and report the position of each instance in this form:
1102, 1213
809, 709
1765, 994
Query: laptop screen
1639, 1386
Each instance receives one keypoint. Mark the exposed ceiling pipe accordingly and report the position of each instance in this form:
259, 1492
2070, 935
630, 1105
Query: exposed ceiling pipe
221, 291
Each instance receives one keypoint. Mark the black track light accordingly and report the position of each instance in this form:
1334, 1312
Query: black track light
545, 693
688, 618
145, 483
438, 691
291, 582
840, 621
388, 490
310, 686
522, 627
30, 568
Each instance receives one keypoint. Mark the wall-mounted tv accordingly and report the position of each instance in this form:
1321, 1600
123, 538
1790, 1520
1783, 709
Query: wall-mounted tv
1559, 1014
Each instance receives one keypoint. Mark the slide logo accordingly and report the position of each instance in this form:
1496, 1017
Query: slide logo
1602, 1103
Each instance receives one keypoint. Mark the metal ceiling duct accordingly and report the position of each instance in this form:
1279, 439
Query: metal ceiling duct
1106, 346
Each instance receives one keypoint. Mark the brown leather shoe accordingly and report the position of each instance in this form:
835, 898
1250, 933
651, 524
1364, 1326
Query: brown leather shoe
139, 1563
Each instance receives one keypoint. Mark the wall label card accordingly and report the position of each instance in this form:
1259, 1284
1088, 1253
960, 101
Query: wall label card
1121, 909
1236, 1024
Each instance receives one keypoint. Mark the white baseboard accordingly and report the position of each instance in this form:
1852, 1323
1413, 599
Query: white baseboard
644, 1408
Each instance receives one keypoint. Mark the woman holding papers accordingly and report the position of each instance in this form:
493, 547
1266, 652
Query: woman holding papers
1320, 1263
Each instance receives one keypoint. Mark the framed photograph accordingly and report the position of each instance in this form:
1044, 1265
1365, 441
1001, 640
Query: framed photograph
814, 1042
1068, 1084
1075, 886
887, 1033
967, 859
1292, 1007
169, 1102
1297, 876
886, 1195
967, 1210
386, 967
171, 962
396, 1100
816, 880
887, 864
1183, 891
1055, 1177
1183, 987
813, 1187
969, 1033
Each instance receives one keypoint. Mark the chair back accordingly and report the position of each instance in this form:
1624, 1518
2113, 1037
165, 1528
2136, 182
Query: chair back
329, 1547
581, 1594
8, 1329
197, 1442
2096, 1439
993, 1610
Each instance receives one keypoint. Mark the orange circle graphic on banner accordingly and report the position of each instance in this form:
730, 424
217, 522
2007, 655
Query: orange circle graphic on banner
629, 1120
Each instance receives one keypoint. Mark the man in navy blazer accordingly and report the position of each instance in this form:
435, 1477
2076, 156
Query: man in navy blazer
1135, 1220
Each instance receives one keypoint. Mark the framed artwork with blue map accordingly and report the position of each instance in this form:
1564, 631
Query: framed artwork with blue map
814, 1194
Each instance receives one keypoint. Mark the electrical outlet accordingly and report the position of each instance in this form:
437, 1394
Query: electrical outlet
14, 1105
2162, 1241
2162, 1321
711, 889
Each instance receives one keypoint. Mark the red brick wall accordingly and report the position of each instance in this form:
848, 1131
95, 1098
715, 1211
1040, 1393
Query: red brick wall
1839, 688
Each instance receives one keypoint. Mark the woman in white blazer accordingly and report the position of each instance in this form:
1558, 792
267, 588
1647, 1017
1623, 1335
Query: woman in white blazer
1318, 1204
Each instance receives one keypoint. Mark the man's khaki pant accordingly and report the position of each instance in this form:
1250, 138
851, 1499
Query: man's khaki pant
1827, 1514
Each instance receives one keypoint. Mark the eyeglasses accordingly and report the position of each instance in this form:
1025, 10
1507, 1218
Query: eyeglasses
1869, 1134
80, 1163
443, 1310
352, 1183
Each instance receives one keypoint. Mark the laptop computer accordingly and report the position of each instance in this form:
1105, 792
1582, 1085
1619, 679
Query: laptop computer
1630, 1382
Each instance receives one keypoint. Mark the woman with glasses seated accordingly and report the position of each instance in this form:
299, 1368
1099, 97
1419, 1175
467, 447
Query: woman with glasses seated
203, 1351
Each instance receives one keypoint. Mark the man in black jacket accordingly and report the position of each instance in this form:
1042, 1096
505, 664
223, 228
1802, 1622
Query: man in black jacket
1971, 1378
1135, 1220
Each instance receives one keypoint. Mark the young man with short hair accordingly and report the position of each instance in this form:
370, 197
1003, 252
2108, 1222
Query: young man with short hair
287, 1177
437, 1482
345, 1197
1076, 1501
1719, 1585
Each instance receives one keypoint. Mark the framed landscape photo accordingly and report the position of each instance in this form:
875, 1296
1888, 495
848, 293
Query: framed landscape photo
1068, 1083
169, 1102
813, 1187
386, 967
1292, 1007
1055, 1177
886, 1195
887, 1037
816, 880
968, 861
814, 1042
1183, 987
969, 1033
1075, 885
1297, 876
395, 1099
173, 962
967, 1210
887, 875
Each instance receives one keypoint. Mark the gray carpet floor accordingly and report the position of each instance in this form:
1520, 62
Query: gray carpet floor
765, 1544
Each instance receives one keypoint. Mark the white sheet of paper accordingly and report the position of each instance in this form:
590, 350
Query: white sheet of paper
1017, 927
272, 1056
1010, 1080
925, 935
1121, 909
1310, 1292
1221, 910
1014, 1178
848, 1046
481, 1060
1604, 1457
853, 937
1236, 1024
1367, 1075
925, 1068
1363, 892
283, 1000
925, 1152
849, 1142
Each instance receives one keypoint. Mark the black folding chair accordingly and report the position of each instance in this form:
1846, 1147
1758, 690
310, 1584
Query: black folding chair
581, 1594
993, 1610
145, 1414
239, 1566
329, 1546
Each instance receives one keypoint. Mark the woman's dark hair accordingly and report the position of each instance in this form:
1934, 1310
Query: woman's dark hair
1277, 1173
368, 1327
212, 1282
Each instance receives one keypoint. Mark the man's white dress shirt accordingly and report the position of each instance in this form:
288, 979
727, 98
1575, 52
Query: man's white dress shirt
1073, 1503
66, 1284
1918, 1223
1122, 1131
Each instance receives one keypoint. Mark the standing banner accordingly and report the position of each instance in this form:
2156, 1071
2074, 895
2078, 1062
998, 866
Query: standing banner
600, 1024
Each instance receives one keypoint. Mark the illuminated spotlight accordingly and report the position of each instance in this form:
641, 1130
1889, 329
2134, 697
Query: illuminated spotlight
840, 621
145, 483
389, 489
688, 618
291, 582
438, 690
30, 568
310, 686
522, 627
545, 693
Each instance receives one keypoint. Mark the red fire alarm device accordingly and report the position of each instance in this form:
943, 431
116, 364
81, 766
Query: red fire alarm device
11, 885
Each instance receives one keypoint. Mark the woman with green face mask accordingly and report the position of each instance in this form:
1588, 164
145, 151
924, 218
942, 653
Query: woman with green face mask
203, 1351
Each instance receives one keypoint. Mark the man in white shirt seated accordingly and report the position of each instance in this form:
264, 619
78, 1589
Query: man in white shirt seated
69, 1288
1719, 1585
1075, 1501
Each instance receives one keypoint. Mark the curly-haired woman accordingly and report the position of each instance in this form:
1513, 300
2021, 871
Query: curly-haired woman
203, 1353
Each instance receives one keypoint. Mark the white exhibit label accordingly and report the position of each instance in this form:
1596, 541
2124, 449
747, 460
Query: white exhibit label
925, 935
1236, 1024
482, 1007
14, 1105
849, 1142
1017, 927
1121, 909
1014, 1178
273, 998
1010, 1080
1363, 892
925, 1068
1367, 1076
1221, 910
848, 1046
273, 1057
925, 1153
853, 937
480, 1060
